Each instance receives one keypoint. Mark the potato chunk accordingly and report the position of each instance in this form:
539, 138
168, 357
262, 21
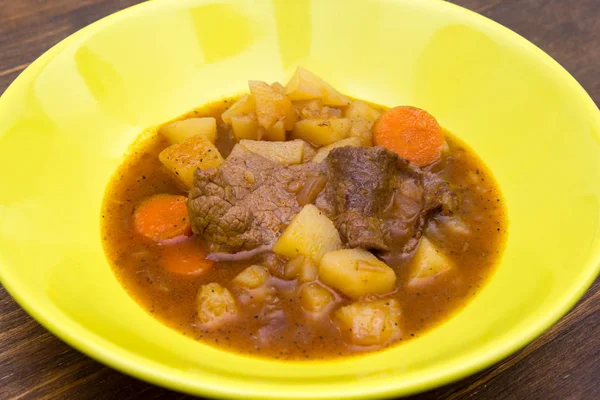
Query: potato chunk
278, 87
179, 131
324, 151
356, 273
314, 109
362, 129
374, 323
245, 127
272, 106
184, 158
360, 109
323, 131
314, 298
245, 105
304, 85
427, 263
302, 268
276, 133
252, 277
216, 305
290, 152
310, 233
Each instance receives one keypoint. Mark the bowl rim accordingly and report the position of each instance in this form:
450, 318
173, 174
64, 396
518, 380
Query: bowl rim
128, 362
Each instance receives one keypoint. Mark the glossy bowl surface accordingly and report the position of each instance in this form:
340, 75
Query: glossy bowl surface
67, 121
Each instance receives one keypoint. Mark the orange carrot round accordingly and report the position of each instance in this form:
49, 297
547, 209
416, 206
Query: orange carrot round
185, 257
162, 217
410, 132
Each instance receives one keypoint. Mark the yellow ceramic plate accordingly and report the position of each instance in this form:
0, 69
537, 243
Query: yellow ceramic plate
68, 119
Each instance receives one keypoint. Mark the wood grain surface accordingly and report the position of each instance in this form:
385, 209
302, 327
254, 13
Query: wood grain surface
562, 364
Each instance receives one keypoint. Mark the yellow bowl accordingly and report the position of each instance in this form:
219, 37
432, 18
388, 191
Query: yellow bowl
66, 122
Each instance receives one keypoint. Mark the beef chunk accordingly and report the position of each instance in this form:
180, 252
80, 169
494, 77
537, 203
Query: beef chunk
376, 200
247, 201
361, 184
380, 202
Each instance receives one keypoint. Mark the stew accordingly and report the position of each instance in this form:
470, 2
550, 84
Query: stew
294, 222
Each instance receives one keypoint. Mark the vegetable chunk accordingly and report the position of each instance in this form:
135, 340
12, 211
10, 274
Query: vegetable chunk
272, 106
184, 158
370, 324
276, 133
356, 273
302, 268
310, 233
186, 258
323, 131
314, 298
360, 109
363, 116
252, 277
314, 109
362, 129
162, 217
304, 85
245, 127
410, 132
180, 131
290, 152
245, 105
216, 305
428, 262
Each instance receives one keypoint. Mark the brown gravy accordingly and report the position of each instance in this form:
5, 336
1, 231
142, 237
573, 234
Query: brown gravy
172, 298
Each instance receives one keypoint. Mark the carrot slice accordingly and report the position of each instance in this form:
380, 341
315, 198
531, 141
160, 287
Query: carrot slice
185, 257
162, 217
410, 132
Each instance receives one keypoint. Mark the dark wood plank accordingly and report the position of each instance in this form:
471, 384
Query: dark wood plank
30, 27
567, 30
562, 364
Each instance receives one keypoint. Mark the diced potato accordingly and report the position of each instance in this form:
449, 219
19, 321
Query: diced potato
314, 298
322, 132
356, 273
310, 233
370, 324
331, 112
324, 151
302, 268
314, 109
309, 271
276, 133
179, 131
245, 127
252, 277
215, 304
290, 152
272, 106
184, 158
278, 87
245, 105
427, 263
360, 109
362, 116
305, 85
308, 109
362, 129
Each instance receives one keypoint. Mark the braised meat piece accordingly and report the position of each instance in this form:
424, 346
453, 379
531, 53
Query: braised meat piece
247, 201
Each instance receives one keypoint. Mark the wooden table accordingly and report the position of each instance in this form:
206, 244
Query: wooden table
562, 364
